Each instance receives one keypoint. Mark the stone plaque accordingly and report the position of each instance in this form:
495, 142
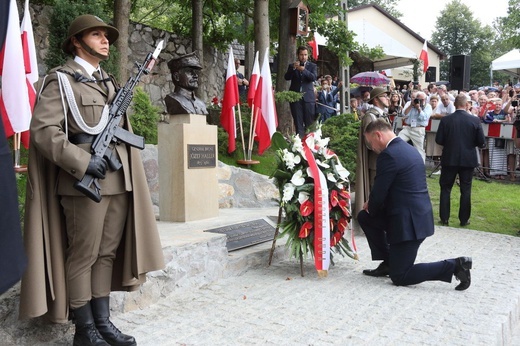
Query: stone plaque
245, 234
202, 156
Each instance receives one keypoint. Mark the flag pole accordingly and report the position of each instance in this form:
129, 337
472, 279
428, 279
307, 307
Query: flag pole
253, 131
241, 131
250, 141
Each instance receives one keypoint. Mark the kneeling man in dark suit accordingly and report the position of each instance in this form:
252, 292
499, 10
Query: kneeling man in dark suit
398, 215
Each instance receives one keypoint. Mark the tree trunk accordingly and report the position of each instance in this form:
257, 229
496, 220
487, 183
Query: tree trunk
261, 20
286, 54
122, 23
249, 50
197, 38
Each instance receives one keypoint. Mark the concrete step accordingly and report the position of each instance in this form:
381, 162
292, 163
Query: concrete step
194, 258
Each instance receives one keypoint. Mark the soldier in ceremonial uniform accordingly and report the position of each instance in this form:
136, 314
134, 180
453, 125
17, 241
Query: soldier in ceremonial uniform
366, 157
79, 250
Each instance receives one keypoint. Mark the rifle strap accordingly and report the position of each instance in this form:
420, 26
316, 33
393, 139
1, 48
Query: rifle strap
67, 93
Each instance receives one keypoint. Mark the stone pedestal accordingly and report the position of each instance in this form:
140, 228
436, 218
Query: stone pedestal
188, 160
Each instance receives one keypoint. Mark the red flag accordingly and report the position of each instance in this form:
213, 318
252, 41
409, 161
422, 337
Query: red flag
315, 50
424, 56
267, 119
14, 98
230, 100
253, 82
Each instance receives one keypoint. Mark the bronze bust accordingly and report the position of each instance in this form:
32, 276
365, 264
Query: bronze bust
185, 75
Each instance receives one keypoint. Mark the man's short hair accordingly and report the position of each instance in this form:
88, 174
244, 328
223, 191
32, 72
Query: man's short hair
460, 100
300, 48
378, 125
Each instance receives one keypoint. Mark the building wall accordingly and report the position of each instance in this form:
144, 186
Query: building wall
379, 20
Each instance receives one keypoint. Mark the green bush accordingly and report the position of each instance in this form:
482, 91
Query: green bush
343, 132
144, 116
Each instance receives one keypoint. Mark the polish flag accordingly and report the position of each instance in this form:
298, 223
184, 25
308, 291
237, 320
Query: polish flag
15, 103
267, 119
230, 100
253, 82
315, 50
424, 56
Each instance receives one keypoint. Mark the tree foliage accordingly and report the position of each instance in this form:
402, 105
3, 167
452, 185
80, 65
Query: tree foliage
458, 33
509, 26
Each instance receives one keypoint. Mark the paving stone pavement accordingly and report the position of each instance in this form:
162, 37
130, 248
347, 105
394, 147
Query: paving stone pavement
276, 306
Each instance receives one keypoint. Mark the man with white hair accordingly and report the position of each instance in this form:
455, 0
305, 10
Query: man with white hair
415, 118
442, 90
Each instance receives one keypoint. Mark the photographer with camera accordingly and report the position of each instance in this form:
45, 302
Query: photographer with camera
415, 118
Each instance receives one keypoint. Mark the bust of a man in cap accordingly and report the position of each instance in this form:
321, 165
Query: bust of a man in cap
185, 75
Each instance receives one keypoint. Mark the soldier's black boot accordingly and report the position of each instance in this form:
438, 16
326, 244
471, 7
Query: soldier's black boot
86, 332
112, 335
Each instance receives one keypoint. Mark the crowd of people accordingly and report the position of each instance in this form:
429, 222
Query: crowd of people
497, 104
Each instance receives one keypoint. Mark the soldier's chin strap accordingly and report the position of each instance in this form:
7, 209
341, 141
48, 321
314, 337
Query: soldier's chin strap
91, 51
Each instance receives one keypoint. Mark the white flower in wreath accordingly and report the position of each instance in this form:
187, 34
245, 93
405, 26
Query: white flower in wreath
290, 159
303, 196
328, 154
317, 133
342, 172
298, 178
322, 144
322, 164
331, 177
288, 192
339, 186
297, 145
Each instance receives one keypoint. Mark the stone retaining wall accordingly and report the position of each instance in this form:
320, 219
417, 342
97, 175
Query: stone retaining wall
238, 187
143, 39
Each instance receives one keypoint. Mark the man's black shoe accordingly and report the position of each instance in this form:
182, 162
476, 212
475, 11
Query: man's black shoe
382, 270
462, 224
444, 223
462, 273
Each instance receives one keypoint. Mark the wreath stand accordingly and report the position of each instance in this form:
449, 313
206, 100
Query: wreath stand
274, 242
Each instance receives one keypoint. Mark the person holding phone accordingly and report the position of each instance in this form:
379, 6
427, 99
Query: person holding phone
302, 73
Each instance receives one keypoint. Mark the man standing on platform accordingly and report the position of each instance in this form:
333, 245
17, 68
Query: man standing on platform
302, 74
459, 134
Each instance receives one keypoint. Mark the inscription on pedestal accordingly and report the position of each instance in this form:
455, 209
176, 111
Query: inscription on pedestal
201, 156
245, 234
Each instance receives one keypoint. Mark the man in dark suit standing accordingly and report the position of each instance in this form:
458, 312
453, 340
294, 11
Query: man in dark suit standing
398, 214
302, 74
459, 133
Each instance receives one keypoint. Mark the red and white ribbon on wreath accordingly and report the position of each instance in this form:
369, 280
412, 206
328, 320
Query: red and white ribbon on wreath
321, 210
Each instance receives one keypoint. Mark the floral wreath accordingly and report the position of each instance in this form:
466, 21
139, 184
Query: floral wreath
315, 198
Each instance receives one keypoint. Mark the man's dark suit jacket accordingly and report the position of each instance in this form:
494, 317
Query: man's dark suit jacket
459, 133
400, 194
303, 81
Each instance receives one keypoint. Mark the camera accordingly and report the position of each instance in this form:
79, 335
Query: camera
416, 101
514, 103
302, 63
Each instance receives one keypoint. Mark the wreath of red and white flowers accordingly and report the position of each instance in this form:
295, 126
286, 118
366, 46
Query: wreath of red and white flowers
315, 197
